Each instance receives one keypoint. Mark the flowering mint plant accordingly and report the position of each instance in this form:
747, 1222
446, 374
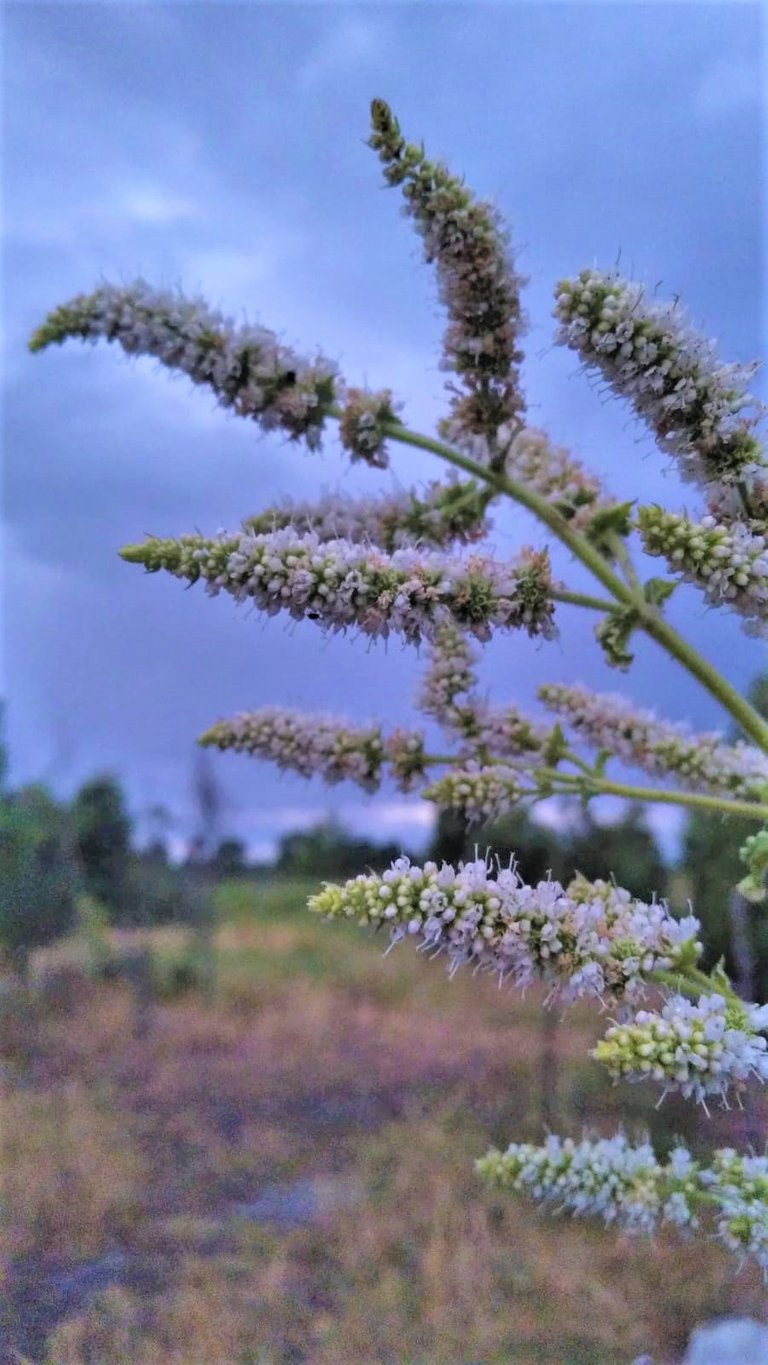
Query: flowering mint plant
412, 565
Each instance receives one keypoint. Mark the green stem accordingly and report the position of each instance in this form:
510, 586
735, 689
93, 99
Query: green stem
748, 718
581, 599
677, 983
621, 553
603, 786
649, 617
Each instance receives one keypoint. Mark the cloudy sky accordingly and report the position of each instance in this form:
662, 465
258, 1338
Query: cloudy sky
221, 147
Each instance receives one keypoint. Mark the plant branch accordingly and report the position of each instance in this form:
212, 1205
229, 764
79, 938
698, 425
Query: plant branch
592, 785
649, 618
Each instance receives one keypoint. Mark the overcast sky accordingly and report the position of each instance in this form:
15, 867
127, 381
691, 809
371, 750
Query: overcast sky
221, 147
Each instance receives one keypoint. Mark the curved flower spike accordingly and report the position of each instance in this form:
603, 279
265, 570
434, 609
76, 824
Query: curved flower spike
248, 369
649, 354
625, 1184
447, 512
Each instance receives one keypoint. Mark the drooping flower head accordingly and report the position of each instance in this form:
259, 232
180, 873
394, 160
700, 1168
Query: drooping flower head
250, 371
626, 1185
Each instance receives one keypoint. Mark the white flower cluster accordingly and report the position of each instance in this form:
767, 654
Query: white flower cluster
339, 584
247, 368
628, 1186
479, 793
739, 1186
608, 721
446, 513
317, 744
447, 694
478, 284
700, 1049
581, 940
649, 354
729, 563
608, 1177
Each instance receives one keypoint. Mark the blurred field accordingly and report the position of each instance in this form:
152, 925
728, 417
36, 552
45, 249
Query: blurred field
283, 1173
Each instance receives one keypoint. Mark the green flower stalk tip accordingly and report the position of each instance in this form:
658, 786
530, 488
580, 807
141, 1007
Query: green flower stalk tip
134, 554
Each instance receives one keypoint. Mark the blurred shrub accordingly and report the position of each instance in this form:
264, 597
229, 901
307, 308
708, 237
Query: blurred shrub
38, 880
329, 851
102, 832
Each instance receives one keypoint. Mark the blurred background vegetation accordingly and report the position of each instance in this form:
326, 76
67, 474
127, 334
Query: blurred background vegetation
234, 1135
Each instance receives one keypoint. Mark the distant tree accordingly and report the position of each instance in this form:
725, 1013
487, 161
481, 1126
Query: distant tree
38, 879
328, 850
626, 851
449, 842
102, 829
229, 859
538, 850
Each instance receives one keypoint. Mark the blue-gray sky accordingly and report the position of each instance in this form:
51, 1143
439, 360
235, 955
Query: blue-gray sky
221, 147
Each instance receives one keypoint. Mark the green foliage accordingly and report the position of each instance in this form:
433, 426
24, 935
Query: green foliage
327, 851
229, 859
103, 840
625, 851
38, 882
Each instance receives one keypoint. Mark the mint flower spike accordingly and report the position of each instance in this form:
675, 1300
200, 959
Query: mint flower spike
448, 694
338, 584
477, 281
627, 1186
648, 353
609, 1177
248, 369
530, 457
320, 745
477, 792
582, 940
729, 563
700, 762
705, 1048
446, 513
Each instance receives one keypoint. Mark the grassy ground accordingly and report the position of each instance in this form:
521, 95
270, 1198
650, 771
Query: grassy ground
345, 1094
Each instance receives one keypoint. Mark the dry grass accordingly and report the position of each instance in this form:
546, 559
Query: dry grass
320, 1058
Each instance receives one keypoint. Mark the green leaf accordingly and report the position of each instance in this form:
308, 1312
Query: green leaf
657, 590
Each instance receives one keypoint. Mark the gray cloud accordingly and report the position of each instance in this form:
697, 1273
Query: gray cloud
221, 147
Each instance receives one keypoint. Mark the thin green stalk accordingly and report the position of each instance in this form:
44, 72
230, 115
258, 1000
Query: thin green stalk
602, 786
581, 599
748, 718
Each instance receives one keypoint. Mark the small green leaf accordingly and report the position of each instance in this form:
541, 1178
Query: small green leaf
607, 522
657, 590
